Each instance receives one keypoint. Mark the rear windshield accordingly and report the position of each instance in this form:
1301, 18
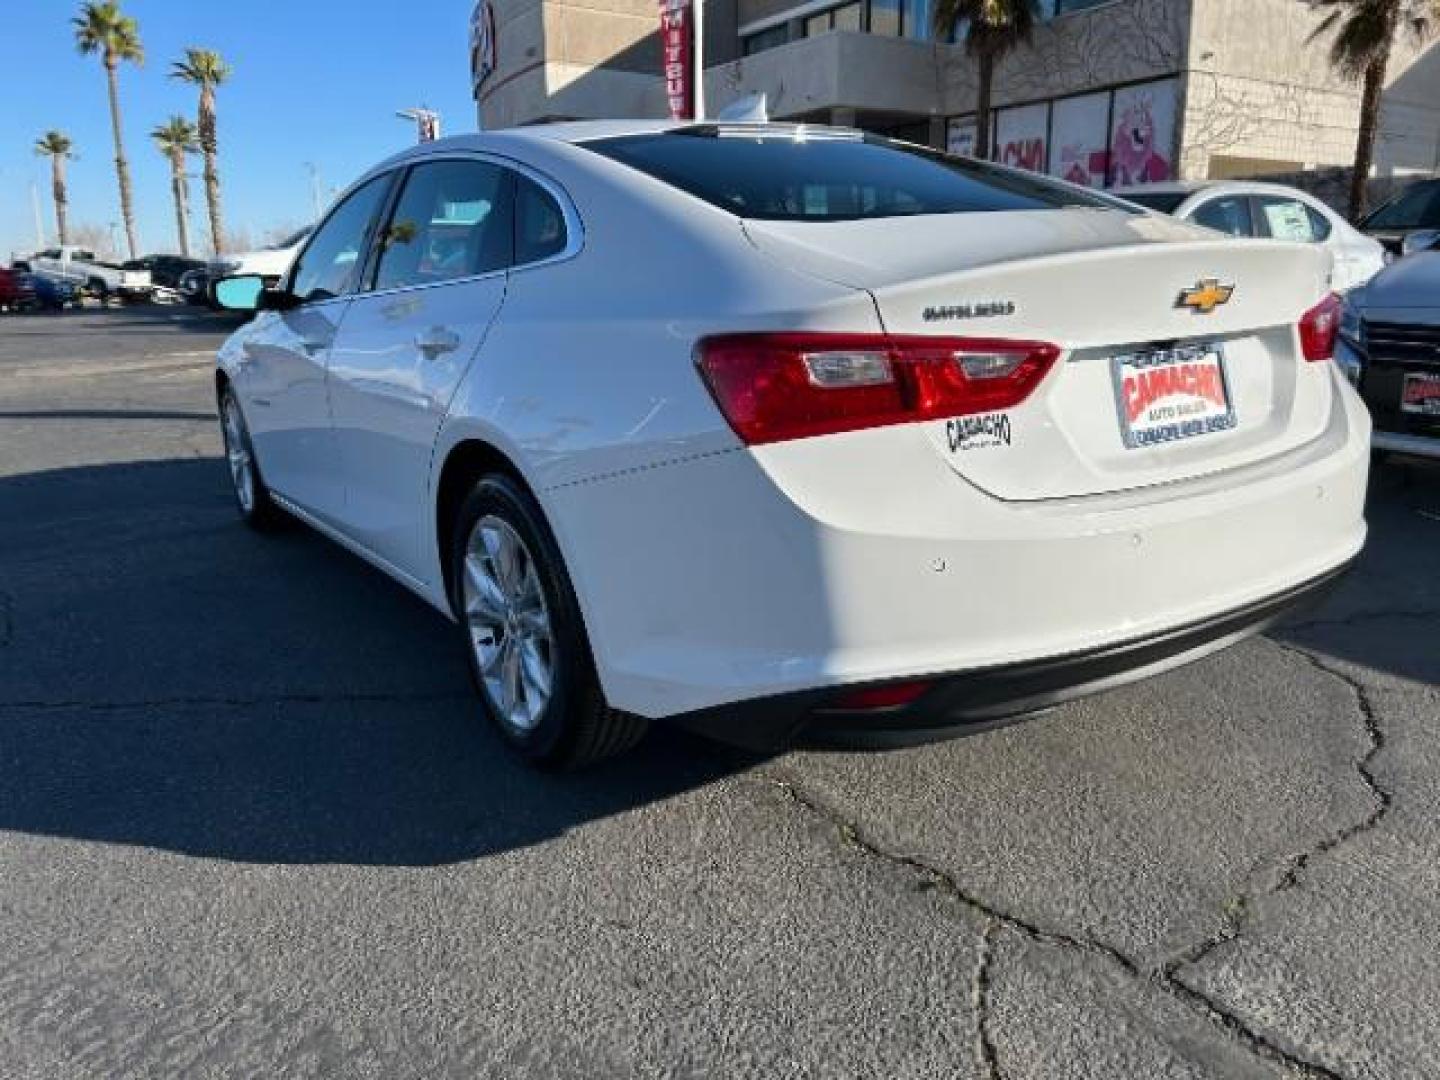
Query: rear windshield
1164, 201
787, 177
1417, 207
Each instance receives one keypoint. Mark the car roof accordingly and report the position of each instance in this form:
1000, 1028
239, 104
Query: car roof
1195, 187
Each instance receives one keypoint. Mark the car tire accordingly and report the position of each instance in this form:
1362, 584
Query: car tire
252, 497
524, 638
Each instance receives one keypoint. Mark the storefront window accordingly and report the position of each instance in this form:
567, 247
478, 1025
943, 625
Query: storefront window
847, 17
885, 17
1065, 7
1110, 138
916, 22
765, 39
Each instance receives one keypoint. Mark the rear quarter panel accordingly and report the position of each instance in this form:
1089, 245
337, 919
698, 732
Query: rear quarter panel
588, 374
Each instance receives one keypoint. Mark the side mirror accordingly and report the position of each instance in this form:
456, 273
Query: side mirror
247, 292
240, 293
1420, 240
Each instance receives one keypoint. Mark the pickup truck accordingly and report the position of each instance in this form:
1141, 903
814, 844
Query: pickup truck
81, 268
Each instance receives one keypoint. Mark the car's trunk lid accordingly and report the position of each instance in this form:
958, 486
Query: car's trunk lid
1102, 285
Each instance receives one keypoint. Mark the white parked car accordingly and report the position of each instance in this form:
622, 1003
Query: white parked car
270, 263
1390, 345
794, 434
1273, 211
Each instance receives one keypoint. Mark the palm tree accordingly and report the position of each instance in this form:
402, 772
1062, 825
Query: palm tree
102, 28
56, 145
174, 139
1365, 32
205, 69
992, 29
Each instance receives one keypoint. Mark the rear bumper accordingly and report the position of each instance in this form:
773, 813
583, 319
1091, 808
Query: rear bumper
969, 702
730, 579
1415, 445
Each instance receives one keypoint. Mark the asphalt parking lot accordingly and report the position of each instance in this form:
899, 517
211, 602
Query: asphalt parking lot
250, 825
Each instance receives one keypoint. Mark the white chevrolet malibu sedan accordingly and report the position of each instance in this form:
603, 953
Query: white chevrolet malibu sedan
794, 434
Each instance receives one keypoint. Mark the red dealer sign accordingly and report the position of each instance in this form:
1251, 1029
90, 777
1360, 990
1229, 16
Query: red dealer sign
676, 38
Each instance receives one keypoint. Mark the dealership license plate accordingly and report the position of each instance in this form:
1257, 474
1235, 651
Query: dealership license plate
1421, 395
1164, 395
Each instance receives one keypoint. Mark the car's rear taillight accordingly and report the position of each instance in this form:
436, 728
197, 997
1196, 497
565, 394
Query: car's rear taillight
773, 387
1319, 327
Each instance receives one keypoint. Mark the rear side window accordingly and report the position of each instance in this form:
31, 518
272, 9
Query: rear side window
452, 221
786, 177
1167, 202
539, 223
1290, 219
1227, 214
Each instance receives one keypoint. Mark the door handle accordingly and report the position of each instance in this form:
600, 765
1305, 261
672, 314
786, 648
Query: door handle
437, 341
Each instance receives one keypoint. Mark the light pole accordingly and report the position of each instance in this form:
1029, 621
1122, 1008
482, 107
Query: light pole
426, 121
315, 206
39, 219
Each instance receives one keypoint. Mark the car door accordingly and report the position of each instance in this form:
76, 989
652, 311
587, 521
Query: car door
282, 369
438, 279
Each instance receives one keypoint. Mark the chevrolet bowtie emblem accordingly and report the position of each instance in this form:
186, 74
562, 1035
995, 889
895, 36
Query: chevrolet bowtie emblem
1206, 296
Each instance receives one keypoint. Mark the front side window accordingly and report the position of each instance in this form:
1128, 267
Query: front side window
452, 221
1228, 214
1290, 219
777, 175
330, 266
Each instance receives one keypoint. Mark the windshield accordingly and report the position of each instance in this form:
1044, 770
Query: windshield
291, 240
1164, 201
1415, 208
780, 175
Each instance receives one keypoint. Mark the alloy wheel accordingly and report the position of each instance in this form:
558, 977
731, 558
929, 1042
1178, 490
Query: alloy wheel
508, 622
237, 454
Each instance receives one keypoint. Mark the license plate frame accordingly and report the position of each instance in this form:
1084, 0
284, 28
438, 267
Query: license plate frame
1206, 388
1427, 404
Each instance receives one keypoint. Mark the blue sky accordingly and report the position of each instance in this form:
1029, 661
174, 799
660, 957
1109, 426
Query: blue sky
314, 81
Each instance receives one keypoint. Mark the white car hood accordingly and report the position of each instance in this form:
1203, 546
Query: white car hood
1412, 282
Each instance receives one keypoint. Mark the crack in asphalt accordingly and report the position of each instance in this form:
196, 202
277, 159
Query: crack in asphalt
852, 835
1289, 876
980, 999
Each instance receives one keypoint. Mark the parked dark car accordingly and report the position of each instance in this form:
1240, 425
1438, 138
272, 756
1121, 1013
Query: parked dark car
1390, 347
16, 291
1414, 209
52, 294
165, 270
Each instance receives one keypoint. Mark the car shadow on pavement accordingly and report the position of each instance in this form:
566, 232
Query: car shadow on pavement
1386, 615
171, 679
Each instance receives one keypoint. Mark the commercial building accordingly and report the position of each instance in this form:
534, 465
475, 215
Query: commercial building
1110, 91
